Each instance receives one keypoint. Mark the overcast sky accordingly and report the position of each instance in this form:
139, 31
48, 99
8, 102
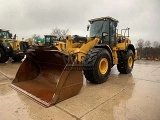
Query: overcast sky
28, 17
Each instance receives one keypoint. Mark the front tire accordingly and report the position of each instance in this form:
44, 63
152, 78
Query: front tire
97, 65
3, 57
126, 62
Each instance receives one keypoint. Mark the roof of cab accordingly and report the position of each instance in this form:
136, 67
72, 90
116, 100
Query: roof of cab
4, 30
51, 35
103, 18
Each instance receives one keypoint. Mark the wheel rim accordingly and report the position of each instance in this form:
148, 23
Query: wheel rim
130, 61
103, 66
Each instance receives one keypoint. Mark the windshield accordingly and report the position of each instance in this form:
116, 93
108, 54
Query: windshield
47, 39
97, 27
4, 34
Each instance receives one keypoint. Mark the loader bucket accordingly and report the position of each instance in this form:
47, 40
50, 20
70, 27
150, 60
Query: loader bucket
45, 77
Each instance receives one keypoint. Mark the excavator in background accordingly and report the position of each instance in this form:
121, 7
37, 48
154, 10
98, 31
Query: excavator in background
51, 76
10, 47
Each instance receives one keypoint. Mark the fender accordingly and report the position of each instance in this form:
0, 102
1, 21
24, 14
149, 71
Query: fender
106, 47
131, 47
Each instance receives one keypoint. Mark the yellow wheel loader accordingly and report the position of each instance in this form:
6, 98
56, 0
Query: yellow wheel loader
10, 47
51, 76
48, 42
52, 42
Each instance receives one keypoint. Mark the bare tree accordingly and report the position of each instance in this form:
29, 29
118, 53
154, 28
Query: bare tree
140, 43
60, 33
147, 43
156, 44
148, 50
35, 36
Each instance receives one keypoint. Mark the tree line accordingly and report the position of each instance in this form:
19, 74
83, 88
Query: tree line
148, 50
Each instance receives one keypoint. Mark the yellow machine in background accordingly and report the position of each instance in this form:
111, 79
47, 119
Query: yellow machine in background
10, 47
51, 76
52, 42
48, 42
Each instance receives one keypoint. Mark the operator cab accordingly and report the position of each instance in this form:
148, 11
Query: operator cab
104, 28
5, 34
49, 39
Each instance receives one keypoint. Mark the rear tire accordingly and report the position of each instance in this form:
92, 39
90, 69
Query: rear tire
17, 58
3, 57
126, 62
97, 65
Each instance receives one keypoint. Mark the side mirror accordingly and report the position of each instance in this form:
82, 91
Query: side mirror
88, 26
104, 34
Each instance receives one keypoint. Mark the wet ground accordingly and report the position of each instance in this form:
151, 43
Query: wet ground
133, 96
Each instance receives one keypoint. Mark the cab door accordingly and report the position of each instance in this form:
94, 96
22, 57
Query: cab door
112, 33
